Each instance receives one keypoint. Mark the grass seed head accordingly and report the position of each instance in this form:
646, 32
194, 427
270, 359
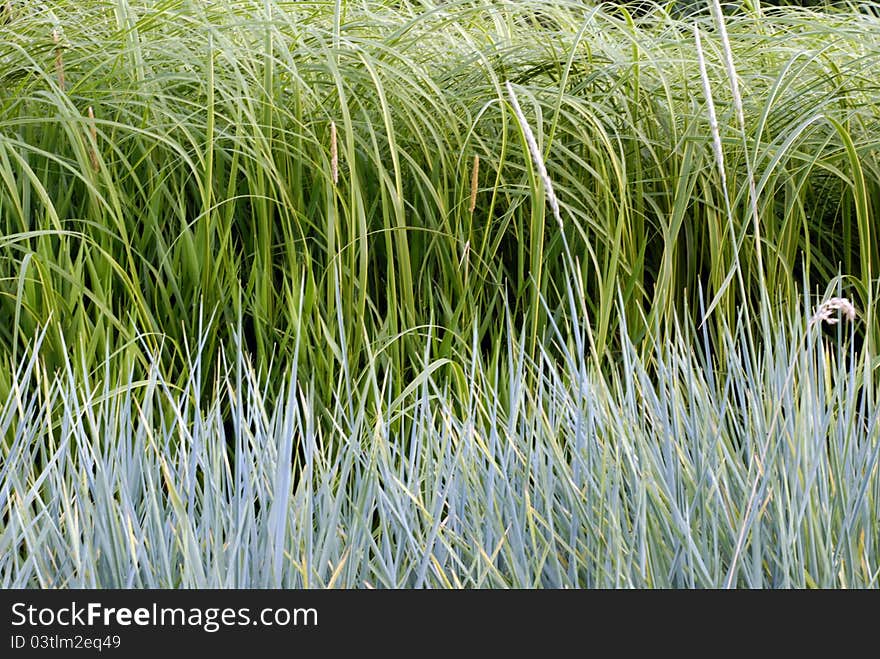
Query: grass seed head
826, 309
93, 143
710, 109
536, 154
59, 59
334, 154
475, 174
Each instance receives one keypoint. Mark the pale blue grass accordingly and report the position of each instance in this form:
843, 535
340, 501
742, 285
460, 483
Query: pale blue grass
543, 474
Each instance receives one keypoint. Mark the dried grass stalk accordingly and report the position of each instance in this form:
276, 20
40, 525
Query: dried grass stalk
59, 59
334, 154
93, 143
475, 175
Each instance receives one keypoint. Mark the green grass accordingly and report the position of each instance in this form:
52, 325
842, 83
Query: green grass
223, 365
214, 189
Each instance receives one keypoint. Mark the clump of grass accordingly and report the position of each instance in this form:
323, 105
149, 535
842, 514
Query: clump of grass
216, 192
536, 473
412, 378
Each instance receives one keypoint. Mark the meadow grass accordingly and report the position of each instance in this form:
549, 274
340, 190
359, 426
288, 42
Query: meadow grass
438, 294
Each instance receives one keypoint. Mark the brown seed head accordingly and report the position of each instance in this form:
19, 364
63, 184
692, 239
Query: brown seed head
59, 59
475, 174
334, 154
93, 144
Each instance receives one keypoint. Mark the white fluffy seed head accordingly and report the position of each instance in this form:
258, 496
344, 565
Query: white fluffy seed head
825, 310
536, 154
710, 109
